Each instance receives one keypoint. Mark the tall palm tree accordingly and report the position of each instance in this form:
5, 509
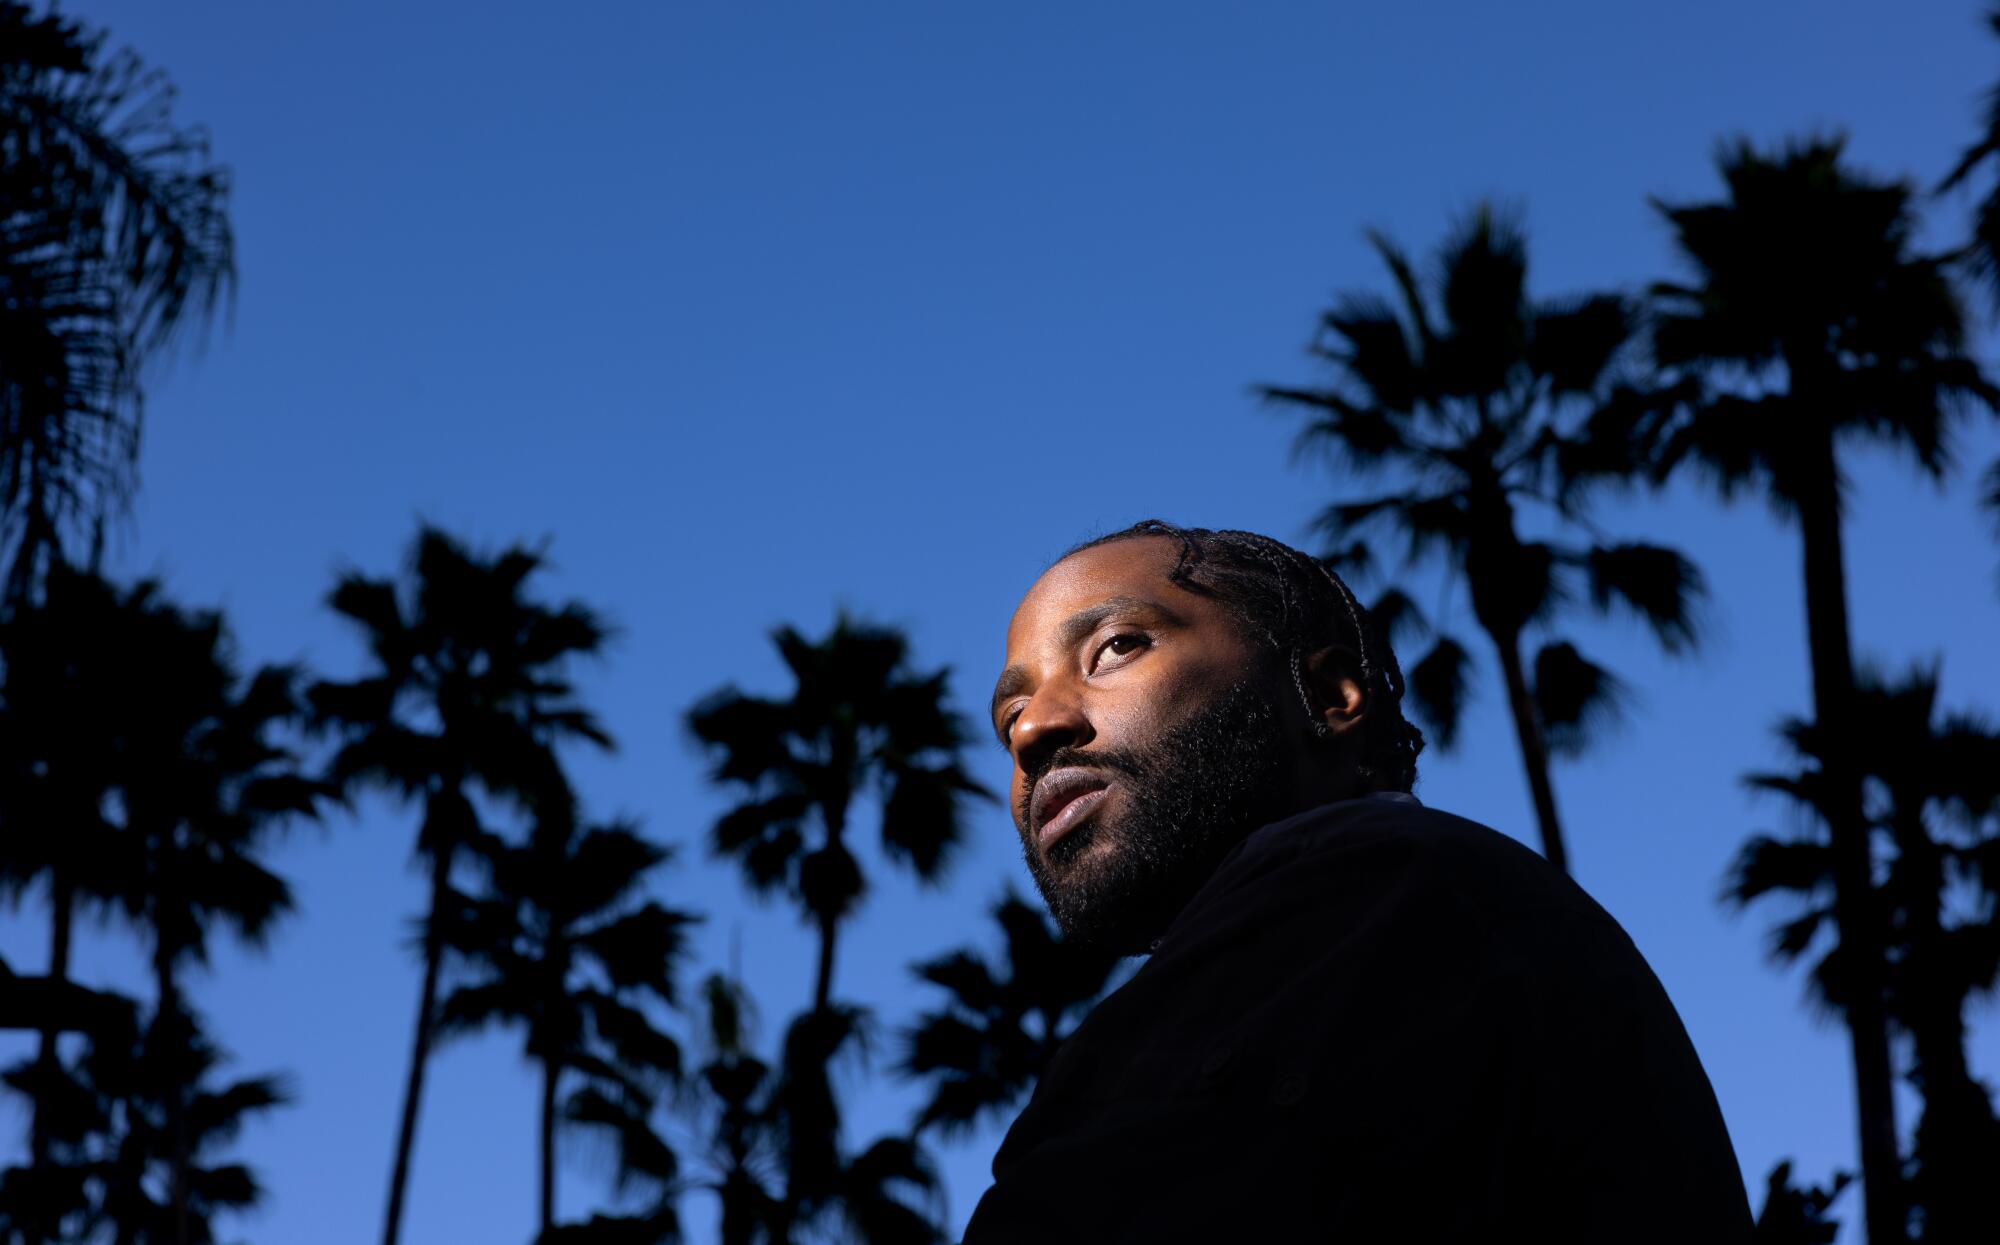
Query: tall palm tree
858, 721
467, 697
204, 782
1468, 403
563, 946
884, 1194
158, 800
64, 678
113, 235
1933, 801
988, 1045
1808, 322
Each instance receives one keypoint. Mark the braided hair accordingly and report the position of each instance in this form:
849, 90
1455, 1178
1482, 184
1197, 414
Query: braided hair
1297, 606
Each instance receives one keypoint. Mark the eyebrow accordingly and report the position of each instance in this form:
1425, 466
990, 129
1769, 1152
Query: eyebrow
1073, 629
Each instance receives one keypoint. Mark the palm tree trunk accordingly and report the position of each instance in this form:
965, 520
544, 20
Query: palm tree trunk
1534, 750
420, 1050
1853, 875
48, 1063
823, 981
551, 1069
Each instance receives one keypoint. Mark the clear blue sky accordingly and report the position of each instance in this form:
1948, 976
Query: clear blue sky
760, 310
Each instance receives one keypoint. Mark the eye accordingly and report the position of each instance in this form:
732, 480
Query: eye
1122, 645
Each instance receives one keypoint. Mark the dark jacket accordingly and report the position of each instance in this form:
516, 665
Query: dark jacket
1376, 1022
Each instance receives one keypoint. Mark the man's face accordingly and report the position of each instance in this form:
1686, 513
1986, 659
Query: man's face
1148, 735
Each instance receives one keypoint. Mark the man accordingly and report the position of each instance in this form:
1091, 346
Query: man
1362, 1020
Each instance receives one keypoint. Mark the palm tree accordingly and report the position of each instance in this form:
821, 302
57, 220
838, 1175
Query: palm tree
204, 783
562, 946
467, 697
871, 1192
1469, 402
741, 1143
157, 802
1934, 800
1809, 321
63, 681
988, 1045
113, 235
858, 720
139, 1116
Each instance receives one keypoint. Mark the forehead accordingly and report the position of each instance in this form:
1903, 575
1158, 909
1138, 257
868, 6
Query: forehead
1136, 567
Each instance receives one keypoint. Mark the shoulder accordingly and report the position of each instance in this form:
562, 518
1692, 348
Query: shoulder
1374, 854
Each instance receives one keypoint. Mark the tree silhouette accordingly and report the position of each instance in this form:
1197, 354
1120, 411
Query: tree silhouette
65, 678
871, 1192
466, 698
1470, 402
858, 720
772, 1136
145, 773
1934, 800
113, 235
740, 1144
205, 784
987, 1046
563, 946
1810, 322
138, 1136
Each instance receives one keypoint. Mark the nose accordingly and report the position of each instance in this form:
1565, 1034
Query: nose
1054, 718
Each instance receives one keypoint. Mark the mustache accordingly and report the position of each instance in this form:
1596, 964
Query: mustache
1125, 762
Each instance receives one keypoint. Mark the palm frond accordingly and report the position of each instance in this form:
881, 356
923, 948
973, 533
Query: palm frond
1657, 583
1575, 343
1440, 684
1576, 699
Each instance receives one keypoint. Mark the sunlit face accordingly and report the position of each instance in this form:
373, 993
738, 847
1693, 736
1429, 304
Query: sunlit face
1142, 723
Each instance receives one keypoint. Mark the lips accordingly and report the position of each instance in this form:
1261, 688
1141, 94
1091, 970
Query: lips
1062, 799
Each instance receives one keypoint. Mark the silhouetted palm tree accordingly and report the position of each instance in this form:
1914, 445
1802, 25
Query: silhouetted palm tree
988, 1045
858, 722
112, 229
1810, 321
881, 1193
1934, 800
137, 1135
172, 805
563, 946
1470, 402
205, 781
466, 696
740, 1143
64, 677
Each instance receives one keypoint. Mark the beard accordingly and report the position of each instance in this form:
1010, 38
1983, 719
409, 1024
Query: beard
1189, 796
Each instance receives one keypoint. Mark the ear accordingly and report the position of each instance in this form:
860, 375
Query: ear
1332, 679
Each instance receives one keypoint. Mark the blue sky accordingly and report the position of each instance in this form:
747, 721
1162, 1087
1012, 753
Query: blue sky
758, 311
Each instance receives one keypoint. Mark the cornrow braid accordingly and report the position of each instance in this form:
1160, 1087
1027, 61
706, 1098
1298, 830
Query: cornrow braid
1298, 605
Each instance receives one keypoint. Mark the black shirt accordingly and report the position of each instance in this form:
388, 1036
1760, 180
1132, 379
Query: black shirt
1376, 1022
